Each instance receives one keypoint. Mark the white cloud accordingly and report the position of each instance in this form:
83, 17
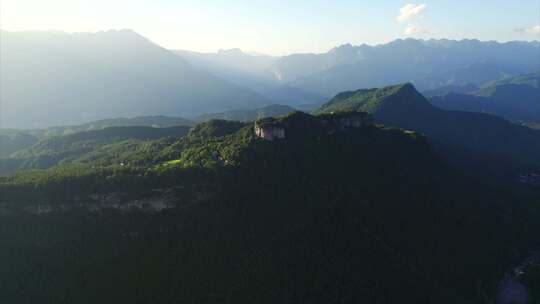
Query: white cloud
413, 30
533, 30
410, 12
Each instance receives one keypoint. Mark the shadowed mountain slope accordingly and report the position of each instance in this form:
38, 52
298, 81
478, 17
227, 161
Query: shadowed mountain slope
515, 98
402, 106
325, 214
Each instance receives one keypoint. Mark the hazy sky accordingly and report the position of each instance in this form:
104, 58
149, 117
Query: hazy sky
279, 26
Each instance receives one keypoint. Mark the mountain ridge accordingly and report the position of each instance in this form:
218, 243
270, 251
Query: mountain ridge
428, 64
404, 107
125, 75
514, 98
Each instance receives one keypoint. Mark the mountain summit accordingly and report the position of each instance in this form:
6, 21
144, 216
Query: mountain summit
404, 107
397, 98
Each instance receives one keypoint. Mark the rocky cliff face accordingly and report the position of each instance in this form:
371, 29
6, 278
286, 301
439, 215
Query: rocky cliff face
275, 128
269, 132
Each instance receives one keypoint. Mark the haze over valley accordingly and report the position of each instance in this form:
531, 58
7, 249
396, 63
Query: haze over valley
143, 78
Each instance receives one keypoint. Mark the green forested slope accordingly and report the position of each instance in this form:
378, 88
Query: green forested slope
109, 146
402, 106
362, 215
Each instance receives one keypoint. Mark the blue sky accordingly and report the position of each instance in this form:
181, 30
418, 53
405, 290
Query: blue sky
279, 27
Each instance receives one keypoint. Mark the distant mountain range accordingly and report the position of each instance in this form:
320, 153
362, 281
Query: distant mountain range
514, 98
126, 75
58, 79
229, 59
428, 64
236, 66
251, 71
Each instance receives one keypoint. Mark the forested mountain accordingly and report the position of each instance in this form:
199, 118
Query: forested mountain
247, 220
514, 98
140, 121
124, 75
17, 141
402, 106
12, 140
109, 146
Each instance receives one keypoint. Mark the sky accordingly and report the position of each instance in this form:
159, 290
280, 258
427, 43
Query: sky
279, 27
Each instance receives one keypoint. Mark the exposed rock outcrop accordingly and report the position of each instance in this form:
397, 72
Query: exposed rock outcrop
276, 128
270, 133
